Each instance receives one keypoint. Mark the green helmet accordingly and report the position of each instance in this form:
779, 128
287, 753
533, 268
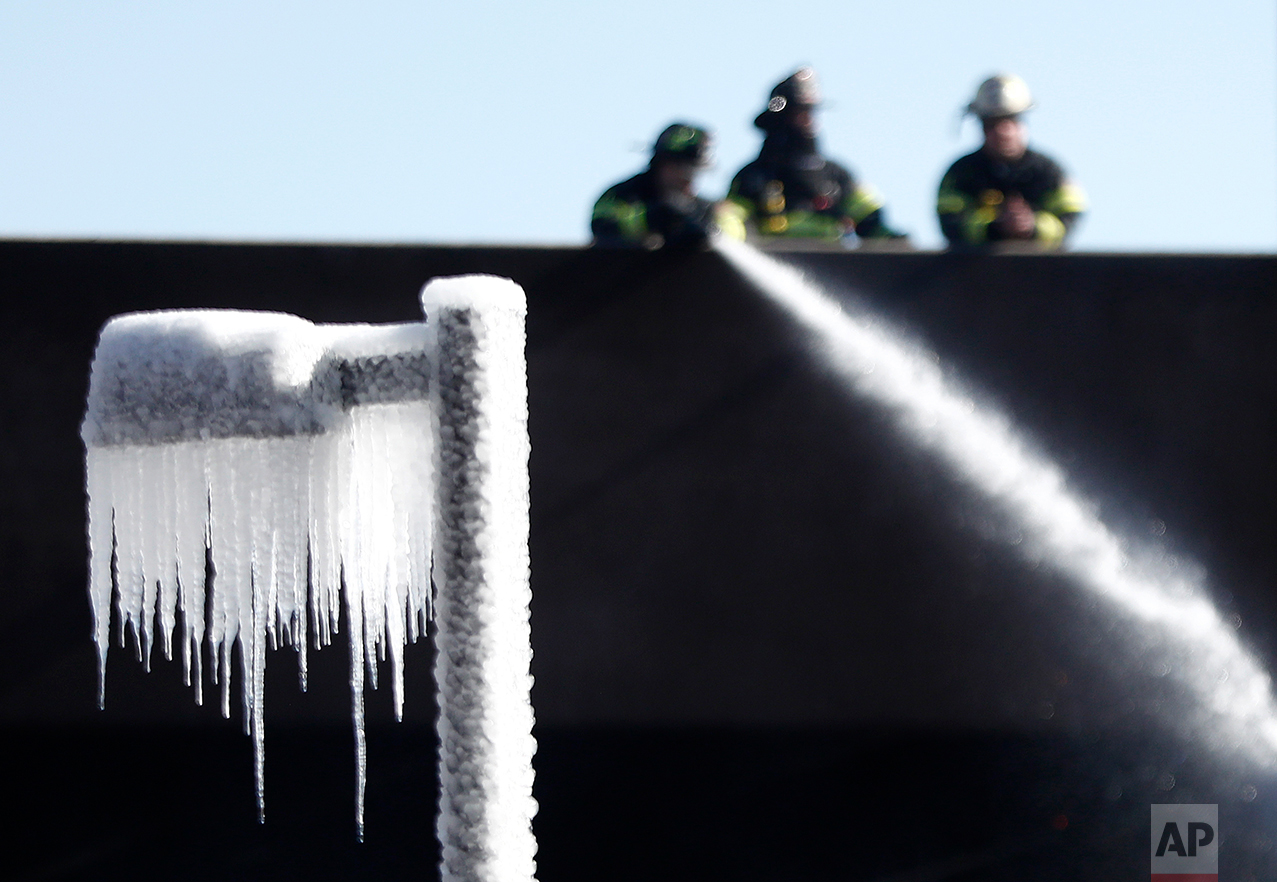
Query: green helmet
683, 142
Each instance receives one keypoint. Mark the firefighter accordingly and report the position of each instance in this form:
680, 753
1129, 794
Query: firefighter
1004, 191
791, 189
659, 206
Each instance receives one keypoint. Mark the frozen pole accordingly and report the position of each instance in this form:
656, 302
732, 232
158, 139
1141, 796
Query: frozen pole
481, 574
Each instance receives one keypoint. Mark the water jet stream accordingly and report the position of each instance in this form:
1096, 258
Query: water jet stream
1234, 712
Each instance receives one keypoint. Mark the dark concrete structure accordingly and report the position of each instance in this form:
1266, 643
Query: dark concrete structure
751, 596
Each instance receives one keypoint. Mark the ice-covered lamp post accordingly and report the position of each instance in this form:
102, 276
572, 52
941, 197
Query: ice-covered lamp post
310, 462
481, 565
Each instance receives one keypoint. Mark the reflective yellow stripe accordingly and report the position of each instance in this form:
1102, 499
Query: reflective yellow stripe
862, 202
1050, 229
629, 217
746, 205
801, 225
730, 218
975, 226
950, 202
811, 225
1068, 199
774, 225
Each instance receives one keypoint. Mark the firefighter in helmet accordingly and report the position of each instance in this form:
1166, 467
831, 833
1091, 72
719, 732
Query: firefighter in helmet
659, 206
1005, 192
791, 189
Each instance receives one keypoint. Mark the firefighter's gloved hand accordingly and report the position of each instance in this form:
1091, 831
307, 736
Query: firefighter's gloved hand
691, 234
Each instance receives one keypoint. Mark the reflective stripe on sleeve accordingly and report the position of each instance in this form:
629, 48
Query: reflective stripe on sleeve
1067, 199
746, 205
975, 226
730, 218
802, 225
862, 202
950, 202
1050, 229
629, 217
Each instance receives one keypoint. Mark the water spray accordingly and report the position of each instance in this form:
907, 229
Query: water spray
1235, 710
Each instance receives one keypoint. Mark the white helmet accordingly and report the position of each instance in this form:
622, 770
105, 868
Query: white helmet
1001, 95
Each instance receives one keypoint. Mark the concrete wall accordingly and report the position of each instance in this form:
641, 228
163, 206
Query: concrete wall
720, 534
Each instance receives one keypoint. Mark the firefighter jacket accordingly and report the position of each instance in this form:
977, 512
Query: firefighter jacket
792, 190
634, 214
973, 190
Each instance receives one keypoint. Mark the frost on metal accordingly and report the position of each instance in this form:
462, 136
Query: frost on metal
248, 472
481, 574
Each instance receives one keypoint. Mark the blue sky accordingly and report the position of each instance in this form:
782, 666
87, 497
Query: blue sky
499, 122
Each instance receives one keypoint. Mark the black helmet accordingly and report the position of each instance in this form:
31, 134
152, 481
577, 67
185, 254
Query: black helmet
799, 90
685, 143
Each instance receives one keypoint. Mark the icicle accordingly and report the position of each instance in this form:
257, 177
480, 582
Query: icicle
167, 537
256, 626
101, 549
222, 628
150, 462
233, 458
191, 516
245, 580
355, 622
293, 508
324, 566
129, 555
